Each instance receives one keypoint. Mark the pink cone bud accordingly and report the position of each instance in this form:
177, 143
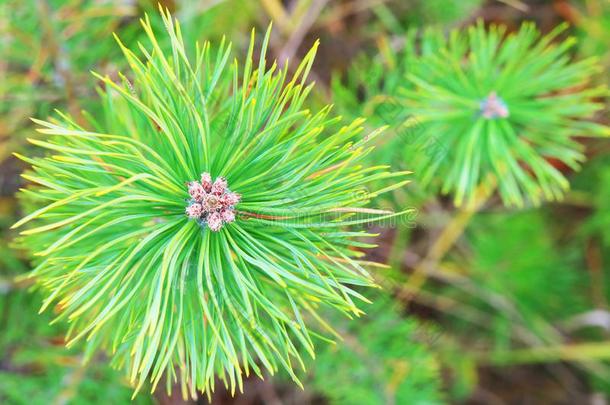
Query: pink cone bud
212, 202
494, 107
219, 186
196, 191
215, 221
228, 215
230, 199
206, 181
194, 210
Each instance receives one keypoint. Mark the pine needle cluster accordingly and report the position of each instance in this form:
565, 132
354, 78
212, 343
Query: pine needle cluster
485, 104
169, 298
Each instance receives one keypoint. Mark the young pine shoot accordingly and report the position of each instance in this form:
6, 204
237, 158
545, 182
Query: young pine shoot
196, 228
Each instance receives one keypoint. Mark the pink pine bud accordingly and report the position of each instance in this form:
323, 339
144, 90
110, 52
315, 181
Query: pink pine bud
194, 210
196, 191
211, 203
228, 215
230, 199
494, 107
215, 221
219, 186
206, 181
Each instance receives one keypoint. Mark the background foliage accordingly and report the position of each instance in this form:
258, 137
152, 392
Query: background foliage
482, 304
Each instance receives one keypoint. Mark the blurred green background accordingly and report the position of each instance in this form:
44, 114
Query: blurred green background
512, 304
